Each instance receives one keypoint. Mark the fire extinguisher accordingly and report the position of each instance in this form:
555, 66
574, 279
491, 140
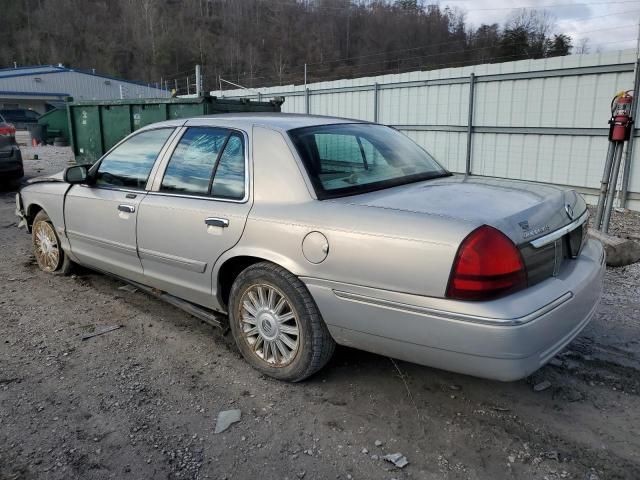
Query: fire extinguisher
621, 121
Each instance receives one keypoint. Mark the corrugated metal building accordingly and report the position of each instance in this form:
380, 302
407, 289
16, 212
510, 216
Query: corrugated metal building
40, 87
538, 120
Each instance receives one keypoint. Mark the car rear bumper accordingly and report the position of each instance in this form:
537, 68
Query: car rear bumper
505, 339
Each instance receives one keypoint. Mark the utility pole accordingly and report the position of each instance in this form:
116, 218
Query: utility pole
628, 158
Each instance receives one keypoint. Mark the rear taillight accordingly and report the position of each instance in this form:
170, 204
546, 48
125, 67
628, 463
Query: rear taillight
486, 266
7, 130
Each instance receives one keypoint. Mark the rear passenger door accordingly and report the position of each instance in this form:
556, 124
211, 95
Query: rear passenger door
195, 211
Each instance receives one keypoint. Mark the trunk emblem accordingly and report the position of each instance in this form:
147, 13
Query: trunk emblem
524, 225
569, 209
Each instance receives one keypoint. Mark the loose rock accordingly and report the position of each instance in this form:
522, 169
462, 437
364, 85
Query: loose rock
397, 459
539, 387
226, 419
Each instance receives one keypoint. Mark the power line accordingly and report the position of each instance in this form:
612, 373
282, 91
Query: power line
295, 3
540, 7
402, 50
291, 77
430, 46
430, 55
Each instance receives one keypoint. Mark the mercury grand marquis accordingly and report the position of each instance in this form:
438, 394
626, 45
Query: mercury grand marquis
313, 231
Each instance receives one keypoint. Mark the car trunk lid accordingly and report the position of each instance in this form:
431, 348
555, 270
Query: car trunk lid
523, 211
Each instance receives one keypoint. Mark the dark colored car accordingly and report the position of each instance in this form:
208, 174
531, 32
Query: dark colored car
11, 170
20, 117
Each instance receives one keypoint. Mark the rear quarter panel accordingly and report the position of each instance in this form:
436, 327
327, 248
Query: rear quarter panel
395, 251
375, 247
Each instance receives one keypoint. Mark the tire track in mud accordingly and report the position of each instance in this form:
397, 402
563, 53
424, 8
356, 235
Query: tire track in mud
594, 363
546, 446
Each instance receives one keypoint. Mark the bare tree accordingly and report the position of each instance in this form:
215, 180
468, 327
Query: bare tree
582, 47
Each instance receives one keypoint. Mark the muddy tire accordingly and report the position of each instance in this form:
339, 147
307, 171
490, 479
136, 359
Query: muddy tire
49, 254
276, 323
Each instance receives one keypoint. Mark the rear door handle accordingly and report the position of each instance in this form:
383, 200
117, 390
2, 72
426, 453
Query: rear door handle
217, 222
126, 208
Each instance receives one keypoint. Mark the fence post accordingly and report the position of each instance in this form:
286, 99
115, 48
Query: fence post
628, 158
198, 81
376, 92
467, 170
306, 100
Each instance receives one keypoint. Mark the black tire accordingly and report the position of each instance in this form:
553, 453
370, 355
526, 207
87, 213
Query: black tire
64, 264
315, 346
11, 185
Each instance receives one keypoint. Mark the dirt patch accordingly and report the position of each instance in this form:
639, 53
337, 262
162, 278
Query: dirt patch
141, 401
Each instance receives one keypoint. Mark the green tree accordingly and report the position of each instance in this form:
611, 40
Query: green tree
558, 46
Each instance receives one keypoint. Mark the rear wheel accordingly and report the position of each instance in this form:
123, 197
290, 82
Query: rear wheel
49, 254
276, 324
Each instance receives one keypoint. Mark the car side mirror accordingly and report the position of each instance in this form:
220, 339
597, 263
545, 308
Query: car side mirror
76, 174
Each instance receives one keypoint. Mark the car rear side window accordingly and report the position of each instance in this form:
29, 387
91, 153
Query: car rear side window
229, 179
130, 163
191, 166
207, 161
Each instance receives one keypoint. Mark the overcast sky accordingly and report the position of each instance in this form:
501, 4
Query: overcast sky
611, 25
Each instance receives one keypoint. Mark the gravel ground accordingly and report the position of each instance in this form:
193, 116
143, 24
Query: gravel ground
142, 401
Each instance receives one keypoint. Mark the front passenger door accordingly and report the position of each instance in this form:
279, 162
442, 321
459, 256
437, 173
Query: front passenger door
100, 217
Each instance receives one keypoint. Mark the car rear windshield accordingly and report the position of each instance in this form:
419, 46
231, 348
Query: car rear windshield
351, 158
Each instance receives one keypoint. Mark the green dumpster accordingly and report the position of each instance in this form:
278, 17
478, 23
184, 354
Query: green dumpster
96, 126
56, 123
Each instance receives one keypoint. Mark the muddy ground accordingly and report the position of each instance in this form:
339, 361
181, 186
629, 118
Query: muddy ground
141, 402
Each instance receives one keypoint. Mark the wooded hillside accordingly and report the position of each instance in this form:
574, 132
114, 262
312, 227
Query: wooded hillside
262, 42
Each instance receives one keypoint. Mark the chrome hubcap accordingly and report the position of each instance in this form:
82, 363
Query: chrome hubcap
269, 325
46, 246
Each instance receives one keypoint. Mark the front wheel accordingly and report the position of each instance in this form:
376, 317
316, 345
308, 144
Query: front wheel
49, 254
276, 324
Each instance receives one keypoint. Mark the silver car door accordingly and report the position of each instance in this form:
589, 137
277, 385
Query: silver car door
100, 217
195, 211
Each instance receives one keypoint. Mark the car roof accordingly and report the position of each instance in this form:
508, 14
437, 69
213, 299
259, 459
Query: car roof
275, 120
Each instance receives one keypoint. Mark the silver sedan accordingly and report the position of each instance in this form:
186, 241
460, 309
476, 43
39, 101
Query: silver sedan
315, 231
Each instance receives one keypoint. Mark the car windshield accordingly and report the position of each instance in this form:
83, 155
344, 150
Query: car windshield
347, 159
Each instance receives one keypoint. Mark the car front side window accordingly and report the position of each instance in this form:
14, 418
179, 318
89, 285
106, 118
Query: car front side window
130, 163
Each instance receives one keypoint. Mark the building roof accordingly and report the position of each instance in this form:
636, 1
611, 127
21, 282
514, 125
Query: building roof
59, 81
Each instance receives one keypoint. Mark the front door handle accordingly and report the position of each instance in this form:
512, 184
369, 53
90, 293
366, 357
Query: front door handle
216, 222
126, 208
